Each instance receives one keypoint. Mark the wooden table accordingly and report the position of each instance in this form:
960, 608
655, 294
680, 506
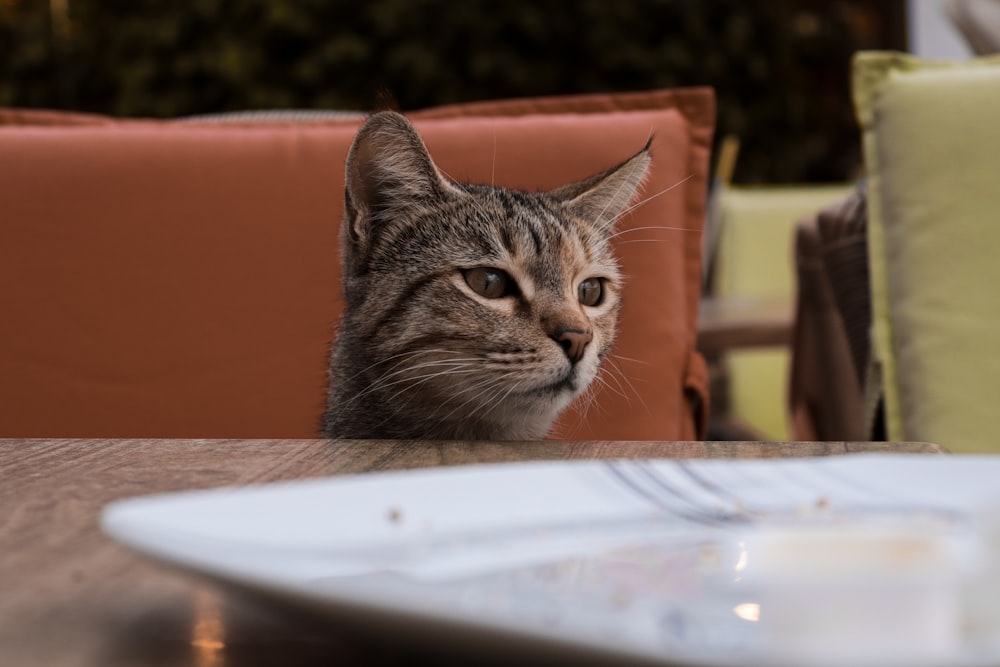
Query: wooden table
70, 596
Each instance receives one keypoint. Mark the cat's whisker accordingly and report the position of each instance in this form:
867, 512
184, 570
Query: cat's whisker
620, 376
487, 400
632, 230
599, 386
589, 400
618, 357
492, 384
643, 202
599, 222
596, 405
619, 390
382, 382
403, 356
403, 397
621, 243
412, 381
516, 387
454, 367
402, 368
478, 403
383, 379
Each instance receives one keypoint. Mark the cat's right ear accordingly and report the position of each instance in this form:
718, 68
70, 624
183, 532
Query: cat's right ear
602, 198
389, 173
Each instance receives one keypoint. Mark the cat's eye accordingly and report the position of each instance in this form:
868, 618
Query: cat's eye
489, 283
591, 292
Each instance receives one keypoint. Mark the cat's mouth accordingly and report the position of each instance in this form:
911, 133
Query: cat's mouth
567, 384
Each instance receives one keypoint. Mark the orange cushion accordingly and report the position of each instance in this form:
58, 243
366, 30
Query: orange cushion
168, 279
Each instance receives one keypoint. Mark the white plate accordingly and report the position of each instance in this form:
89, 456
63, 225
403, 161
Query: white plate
641, 562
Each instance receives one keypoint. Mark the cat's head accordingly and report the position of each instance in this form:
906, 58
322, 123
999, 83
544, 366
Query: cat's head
472, 310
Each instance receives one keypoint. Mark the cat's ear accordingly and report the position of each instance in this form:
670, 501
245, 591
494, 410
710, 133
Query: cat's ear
603, 197
389, 171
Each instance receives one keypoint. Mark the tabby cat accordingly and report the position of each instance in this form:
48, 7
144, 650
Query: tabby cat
472, 311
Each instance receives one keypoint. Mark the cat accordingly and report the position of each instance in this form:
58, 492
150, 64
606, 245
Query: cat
473, 312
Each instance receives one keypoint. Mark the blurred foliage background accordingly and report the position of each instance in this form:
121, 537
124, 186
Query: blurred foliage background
780, 67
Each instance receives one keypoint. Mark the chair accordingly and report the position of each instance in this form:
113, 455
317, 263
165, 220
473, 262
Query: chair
180, 279
753, 271
831, 343
931, 143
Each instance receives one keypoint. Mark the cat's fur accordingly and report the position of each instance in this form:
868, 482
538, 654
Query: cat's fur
420, 353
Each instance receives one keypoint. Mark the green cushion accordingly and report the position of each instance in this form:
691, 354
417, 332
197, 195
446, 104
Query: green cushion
931, 134
757, 227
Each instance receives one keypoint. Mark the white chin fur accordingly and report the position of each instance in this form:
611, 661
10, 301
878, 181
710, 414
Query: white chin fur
536, 424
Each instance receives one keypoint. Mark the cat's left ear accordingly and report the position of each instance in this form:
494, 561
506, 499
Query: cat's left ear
603, 197
389, 173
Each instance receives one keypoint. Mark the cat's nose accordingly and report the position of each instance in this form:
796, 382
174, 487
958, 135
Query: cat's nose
573, 342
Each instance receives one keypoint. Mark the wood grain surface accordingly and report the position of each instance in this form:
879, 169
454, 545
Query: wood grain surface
69, 596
